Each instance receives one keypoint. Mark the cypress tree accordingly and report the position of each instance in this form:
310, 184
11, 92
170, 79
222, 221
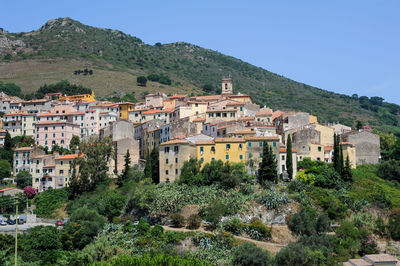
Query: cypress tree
124, 175
147, 168
8, 142
335, 153
341, 161
155, 167
346, 173
268, 166
289, 157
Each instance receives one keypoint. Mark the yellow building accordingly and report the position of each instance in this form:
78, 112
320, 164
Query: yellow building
79, 97
350, 151
224, 149
326, 134
63, 169
124, 109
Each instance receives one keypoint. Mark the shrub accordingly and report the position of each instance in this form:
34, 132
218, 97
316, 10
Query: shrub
157, 231
143, 226
234, 226
48, 201
394, 224
214, 212
249, 254
380, 227
177, 220
389, 170
306, 178
306, 222
329, 178
257, 230
273, 199
30, 192
194, 221
141, 81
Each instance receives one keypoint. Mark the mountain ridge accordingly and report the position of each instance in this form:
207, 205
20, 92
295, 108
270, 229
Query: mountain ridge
65, 44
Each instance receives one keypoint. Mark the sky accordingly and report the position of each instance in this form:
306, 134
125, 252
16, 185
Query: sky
339, 45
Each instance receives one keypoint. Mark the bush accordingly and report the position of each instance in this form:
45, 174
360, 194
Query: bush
141, 81
194, 221
257, 230
30, 192
394, 224
329, 178
234, 226
143, 227
48, 201
249, 254
177, 220
214, 212
273, 199
306, 222
157, 231
389, 170
23, 179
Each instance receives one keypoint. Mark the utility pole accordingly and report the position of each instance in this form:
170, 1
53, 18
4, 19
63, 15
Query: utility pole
16, 231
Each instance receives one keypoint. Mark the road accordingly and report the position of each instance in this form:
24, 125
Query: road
21, 227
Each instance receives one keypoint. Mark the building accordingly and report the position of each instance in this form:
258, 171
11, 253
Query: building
22, 158
77, 98
63, 171
254, 150
11, 191
49, 133
124, 109
348, 150
155, 100
373, 260
227, 87
367, 146
43, 172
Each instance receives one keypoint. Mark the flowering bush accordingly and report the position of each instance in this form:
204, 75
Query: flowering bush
306, 178
30, 192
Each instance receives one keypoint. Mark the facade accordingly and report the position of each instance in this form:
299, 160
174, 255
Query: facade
124, 109
63, 172
224, 149
22, 158
367, 146
77, 98
43, 172
49, 133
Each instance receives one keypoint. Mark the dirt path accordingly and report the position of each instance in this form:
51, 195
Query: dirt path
269, 246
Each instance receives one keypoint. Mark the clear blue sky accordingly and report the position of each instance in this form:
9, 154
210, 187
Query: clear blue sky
346, 46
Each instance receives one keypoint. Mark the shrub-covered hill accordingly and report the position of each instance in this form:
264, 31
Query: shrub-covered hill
63, 45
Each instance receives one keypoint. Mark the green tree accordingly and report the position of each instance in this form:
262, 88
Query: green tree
155, 167
341, 160
289, 157
248, 254
83, 226
93, 166
23, 179
208, 88
74, 143
141, 81
346, 173
267, 170
359, 125
394, 224
41, 244
335, 158
5, 169
125, 173
191, 173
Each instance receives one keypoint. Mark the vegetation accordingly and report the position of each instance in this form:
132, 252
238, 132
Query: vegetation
289, 157
48, 201
63, 87
268, 166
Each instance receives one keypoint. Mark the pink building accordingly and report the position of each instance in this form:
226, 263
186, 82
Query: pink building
49, 133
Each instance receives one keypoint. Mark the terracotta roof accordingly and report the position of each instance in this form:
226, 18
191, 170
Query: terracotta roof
19, 113
49, 114
229, 140
9, 188
262, 138
175, 141
264, 112
178, 96
198, 102
54, 122
23, 149
277, 114
222, 122
246, 118
239, 96
282, 150
221, 110
199, 119
106, 105
69, 156
346, 143
155, 111
205, 142
328, 148
36, 101
49, 166
235, 103
129, 103
207, 98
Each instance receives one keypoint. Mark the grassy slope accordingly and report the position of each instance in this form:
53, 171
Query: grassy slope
118, 58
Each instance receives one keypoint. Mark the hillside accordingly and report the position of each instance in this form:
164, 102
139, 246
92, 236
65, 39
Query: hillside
63, 45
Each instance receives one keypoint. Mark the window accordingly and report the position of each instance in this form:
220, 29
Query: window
166, 149
61, 172
241, 108
228, 146
319, 149
224, 114
240, 157
261, 155
176, 160
166, 172
318, 159
166, 161
54, 135
201, 150
227, 157
248, 144
212, 148
274, 144
176, 171
240, 146
176, 148
45, 128
202, 159
283, 167
304, 148
196, 105
283, 157
212, 159
61, 162
260, 143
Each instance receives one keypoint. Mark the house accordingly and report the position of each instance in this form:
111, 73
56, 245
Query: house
36, 106
124, 109
367, 146
22, 158
155, 100
254, 150
49, 133
77, 98
11, 191
63, 171
373, 260
43, 172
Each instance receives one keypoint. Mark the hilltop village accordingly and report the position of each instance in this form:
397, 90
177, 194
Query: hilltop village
227, 127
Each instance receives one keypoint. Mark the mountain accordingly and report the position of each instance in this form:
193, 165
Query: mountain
63, 45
